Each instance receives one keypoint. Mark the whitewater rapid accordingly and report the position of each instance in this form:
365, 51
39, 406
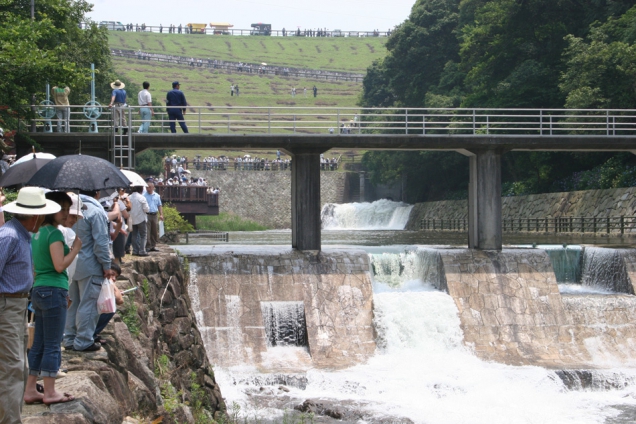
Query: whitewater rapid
380, 215
422, 370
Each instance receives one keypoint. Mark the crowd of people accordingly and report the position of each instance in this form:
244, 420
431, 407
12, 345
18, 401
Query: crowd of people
55, 255
256, 68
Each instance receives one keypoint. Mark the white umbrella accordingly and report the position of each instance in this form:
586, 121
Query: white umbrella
135, 178
264, 64
31, 156
187, 171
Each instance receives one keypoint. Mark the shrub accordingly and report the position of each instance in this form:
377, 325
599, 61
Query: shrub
173, 221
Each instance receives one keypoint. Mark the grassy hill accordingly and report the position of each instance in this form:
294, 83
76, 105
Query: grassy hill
210, 87
334, 54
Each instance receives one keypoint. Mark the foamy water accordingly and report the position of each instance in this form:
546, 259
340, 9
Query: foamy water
380, 215
422, 371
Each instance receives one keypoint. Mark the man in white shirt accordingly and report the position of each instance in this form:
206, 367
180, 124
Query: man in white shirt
139, 209
146, 112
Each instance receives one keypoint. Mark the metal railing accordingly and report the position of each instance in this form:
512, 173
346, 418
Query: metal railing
218, 236
240, 67
568, 224
238, 31
377, 121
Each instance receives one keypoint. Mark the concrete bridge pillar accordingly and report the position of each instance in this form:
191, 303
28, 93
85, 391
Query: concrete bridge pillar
484, 200
305, 198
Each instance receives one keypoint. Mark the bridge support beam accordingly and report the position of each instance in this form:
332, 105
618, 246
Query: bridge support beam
305, 198
484, 200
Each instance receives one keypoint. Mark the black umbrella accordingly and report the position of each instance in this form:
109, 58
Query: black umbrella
79, 172
21, 173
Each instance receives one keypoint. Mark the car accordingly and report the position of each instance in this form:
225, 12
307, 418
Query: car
337, 33
354, 34
112, 25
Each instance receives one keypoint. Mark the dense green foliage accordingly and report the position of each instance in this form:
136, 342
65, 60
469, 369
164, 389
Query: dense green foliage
175, 222
507, 54
227, 222
151, 162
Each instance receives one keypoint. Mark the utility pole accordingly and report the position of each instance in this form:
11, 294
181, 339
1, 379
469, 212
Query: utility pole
32, 10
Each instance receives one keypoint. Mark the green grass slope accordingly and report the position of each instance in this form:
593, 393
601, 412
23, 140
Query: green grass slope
210, 87
333, 54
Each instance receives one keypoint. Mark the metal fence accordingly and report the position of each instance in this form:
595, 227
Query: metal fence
379, 121
325, 33
240, 67
218, 236
570, 224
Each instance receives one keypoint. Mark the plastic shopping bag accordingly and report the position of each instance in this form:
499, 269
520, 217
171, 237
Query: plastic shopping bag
106, 300
162, 231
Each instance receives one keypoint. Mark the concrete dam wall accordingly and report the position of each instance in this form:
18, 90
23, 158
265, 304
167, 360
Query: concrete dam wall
319, 309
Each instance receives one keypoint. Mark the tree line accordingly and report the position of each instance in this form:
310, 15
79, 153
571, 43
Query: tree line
507, 54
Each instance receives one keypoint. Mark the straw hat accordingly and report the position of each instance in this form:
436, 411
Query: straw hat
31, 201
117, 84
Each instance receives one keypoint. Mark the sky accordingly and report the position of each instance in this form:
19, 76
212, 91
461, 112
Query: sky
347, 15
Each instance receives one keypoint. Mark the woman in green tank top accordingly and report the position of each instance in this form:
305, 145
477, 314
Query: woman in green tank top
51, 257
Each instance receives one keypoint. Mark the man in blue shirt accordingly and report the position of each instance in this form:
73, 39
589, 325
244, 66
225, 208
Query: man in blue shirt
176, 102
118, 102
16, 280
93, 265
155, 210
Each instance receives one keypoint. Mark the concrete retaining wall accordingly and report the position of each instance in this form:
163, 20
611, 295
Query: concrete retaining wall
588, 203
265, 196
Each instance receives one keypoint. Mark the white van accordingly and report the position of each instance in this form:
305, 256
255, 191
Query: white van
112, 25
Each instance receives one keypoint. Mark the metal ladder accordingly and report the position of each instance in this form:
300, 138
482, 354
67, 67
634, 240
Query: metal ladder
122, 149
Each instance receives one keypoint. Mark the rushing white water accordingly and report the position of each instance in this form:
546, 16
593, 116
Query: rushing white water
422, 370
604, 268
380, 215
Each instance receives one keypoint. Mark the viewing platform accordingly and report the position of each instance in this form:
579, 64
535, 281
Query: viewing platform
190, 200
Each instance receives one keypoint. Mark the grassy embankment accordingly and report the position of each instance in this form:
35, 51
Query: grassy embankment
227, 222
209, 87
333, 54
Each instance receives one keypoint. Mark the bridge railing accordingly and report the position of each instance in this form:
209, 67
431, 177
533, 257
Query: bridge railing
241, 120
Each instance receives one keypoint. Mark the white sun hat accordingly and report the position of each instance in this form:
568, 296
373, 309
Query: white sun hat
31, 201
77, 207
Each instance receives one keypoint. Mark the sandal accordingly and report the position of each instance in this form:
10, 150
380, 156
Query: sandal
66, 398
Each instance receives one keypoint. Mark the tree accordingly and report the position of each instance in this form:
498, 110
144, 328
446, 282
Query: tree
52, 48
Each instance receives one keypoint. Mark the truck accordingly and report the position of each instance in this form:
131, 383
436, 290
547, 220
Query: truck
197, 28
261, 29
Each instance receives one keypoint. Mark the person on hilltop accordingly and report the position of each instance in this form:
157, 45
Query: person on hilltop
62, 107
16, 280
176, 102
117, 102
51, 257
145, 101
93, 265
315, 91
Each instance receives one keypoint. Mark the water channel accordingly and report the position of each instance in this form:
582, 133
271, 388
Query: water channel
422, 370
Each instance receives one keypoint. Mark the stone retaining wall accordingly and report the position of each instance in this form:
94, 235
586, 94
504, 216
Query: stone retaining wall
265, 196
334, 287
588, 203
511, 311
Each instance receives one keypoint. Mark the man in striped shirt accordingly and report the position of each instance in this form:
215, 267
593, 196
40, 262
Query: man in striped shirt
16, 280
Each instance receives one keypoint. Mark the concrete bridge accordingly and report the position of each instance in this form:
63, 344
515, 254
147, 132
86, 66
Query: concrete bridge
483, 135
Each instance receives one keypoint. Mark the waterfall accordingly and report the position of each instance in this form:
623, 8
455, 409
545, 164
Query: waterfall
605, 268
379, 215
284, 323
412, 270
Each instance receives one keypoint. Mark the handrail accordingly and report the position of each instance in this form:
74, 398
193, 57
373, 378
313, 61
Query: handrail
327, 33
352, 121
566, 224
